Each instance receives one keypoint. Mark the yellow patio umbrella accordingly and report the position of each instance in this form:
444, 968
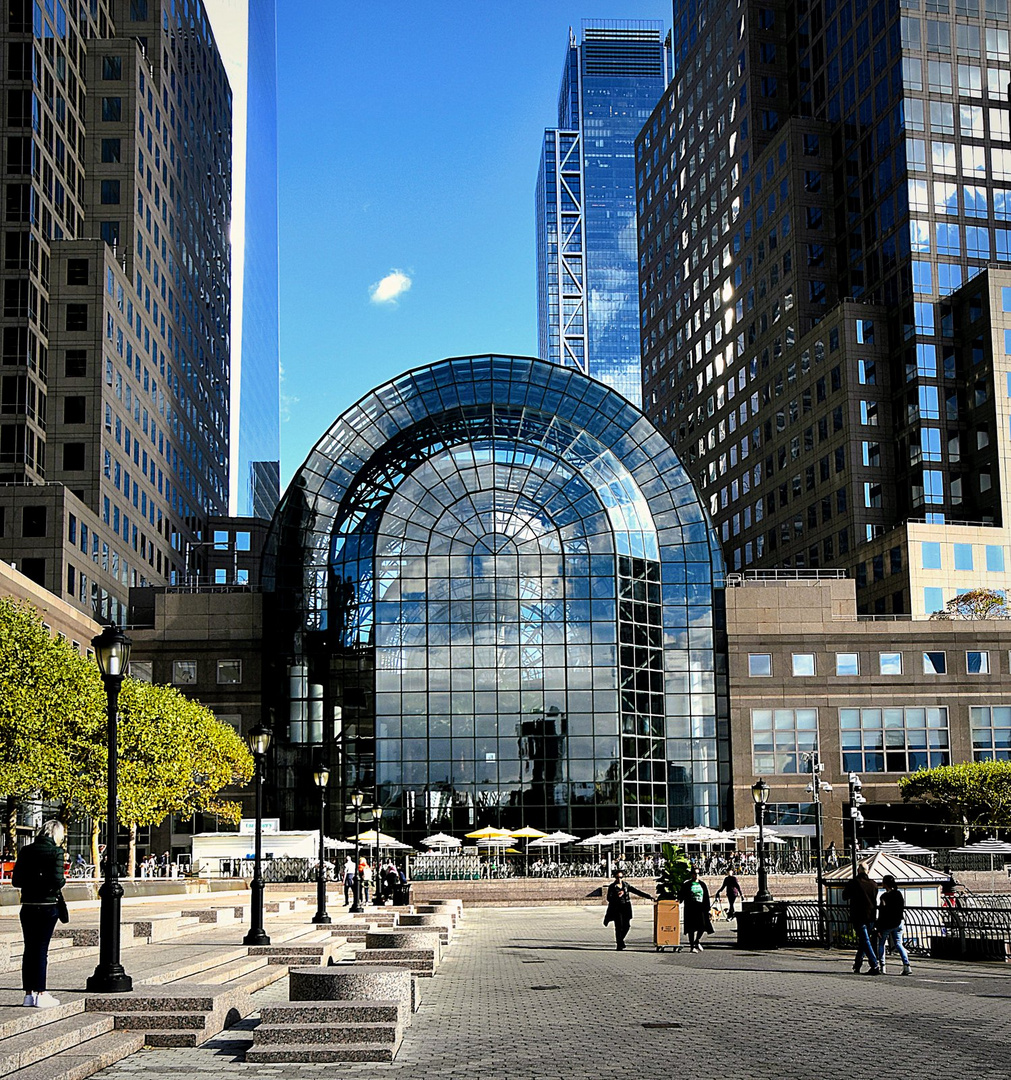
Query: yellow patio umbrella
489, 832
527, 832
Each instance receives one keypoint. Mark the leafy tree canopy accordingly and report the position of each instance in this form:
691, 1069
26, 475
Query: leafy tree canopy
977, 791
673, 873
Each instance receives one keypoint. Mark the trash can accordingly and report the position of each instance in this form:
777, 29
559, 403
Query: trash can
761, 925
402, 894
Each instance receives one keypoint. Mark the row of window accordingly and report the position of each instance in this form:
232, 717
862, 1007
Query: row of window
184, 672
977, 662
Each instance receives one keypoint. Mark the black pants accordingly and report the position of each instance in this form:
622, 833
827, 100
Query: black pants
621, 928
37, 926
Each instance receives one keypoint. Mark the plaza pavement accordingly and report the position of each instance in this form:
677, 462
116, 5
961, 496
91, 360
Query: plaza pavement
541, 994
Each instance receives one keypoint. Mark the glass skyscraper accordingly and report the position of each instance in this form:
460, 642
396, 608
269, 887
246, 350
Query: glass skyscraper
247, 35
587, 287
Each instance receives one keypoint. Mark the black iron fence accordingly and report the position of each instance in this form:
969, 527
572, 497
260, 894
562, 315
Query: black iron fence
977, 926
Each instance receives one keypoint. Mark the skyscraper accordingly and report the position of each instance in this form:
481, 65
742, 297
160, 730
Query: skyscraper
587, 308
820, 190
247, 36
115, 401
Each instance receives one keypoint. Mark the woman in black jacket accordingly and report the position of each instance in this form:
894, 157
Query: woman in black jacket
38, 873
695, 896
619, 907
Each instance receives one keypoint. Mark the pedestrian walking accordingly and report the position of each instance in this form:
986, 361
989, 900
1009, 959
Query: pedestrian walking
733, 890
694, 895
862, 895
349, 880
38, 873
365, 869
891, 908
619, 907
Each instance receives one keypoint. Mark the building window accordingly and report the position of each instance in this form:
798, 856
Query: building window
242, 541
229, 672
894, 740
75, 409
780, 736
110, 192
184, 672
847, 663
112, 108
220, 577
934, 663
991, 732
931, 556
890, 663
995, 558
111, 151
112, 67
77, 316
933, 599
803, 664
77, 271
977, 663
73, 457
759, 664
142, 670
963, 556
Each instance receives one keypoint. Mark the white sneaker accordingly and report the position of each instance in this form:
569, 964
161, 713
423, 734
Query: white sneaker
45, 1000
699, 946
29, 1001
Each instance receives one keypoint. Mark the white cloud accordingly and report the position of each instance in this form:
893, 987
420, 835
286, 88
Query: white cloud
388, 289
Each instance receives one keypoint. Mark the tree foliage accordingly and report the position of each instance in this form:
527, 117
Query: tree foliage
977, 793
975, 604
174, 755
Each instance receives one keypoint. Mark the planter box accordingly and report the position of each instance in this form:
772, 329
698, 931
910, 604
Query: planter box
667, 924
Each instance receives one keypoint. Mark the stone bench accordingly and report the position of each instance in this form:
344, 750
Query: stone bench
355, 982
329, 1031
443, 923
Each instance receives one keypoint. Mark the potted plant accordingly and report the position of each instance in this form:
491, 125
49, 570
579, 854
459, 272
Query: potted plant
667, 913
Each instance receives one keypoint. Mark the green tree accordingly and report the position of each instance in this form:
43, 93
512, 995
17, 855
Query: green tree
974, 793
175, 757
975, 604
673, 873
50, 712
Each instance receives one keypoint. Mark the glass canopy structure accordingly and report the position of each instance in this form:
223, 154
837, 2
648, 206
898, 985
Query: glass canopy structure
494, 580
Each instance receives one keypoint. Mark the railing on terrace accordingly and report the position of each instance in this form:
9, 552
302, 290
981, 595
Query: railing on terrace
773, 577
974, 918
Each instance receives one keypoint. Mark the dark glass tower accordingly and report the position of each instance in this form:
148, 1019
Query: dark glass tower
587, 308
816, 182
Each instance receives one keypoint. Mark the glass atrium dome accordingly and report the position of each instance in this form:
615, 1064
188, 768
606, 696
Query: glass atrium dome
494, 580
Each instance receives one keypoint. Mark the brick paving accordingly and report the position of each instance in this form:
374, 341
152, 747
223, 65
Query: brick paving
541, 994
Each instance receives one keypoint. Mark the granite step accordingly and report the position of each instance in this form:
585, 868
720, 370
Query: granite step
218, 915
20, 1020
150, 1021
383, 1053
46, 1040
425, 968
84, 1059
337, 1034
331, 1012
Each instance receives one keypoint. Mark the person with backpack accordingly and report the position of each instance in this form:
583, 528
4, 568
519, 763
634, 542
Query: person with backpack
38, 873
694, 895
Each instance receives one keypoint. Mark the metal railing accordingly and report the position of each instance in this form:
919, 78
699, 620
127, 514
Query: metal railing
973, 922
773, 577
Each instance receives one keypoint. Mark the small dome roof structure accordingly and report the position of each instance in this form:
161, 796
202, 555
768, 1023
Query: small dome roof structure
881, 863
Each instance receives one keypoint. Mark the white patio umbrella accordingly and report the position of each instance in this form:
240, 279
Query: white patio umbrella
600, 840
441, 840
329, 843
990, 846
898, 847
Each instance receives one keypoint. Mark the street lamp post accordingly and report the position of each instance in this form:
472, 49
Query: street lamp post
321, 776
112, 652
357, 798
760, 793
259, 742
816, 787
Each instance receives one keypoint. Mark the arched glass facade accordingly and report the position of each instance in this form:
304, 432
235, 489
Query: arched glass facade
500, 576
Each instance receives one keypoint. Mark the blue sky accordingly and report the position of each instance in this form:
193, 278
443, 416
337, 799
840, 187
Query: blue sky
409, 138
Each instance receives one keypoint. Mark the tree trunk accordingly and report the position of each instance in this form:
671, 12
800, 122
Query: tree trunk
95, 856
131, 851
10, 837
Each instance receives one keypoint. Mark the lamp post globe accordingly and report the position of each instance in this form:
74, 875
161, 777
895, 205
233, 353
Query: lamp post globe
112, 654
760, 793
357, 798
259, 739
322, 777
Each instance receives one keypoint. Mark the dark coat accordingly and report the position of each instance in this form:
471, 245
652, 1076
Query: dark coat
890, 910
38, 872
697, 915
862, 894
619, 902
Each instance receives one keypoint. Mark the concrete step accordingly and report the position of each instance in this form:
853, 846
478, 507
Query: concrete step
160, 1021
423, 967
331, 1012
20, 1020
84, 1059
337, 1034
46, 1040
159, 928
308, 1052
221, 916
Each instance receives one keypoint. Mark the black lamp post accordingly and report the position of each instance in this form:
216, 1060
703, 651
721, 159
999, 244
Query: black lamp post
112, 652
259, 743
760, 793
357, 798
321, 776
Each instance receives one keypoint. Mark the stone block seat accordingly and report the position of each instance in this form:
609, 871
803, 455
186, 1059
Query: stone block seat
442, 922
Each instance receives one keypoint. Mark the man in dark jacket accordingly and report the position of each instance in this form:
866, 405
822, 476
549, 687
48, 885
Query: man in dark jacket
889, 925
619, 907
38, 873
734, 892
862, 895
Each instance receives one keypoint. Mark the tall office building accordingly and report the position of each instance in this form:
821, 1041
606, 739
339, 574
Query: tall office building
247, 37
820, 192
587, 306
114, 397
